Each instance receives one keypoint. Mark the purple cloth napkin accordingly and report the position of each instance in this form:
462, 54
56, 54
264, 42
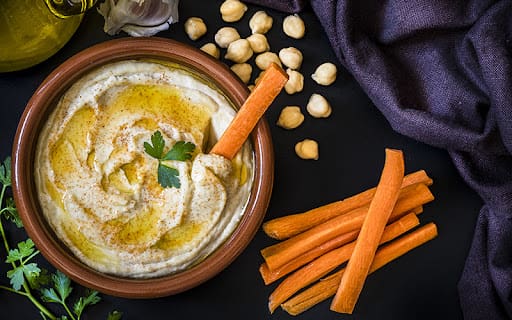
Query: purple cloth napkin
441, 72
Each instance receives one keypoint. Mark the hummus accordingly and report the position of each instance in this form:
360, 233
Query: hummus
98, 188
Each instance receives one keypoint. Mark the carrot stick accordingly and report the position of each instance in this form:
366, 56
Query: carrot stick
290, 225
408, 242
373, 226
412, 197
319, 292
418, 210
328, 286
269, 276
281, 253
258, 101
331, 260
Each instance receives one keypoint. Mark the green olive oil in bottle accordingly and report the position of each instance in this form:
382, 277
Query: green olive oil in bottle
33, 30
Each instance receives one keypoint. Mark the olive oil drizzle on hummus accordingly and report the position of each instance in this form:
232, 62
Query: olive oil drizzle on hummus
99, 191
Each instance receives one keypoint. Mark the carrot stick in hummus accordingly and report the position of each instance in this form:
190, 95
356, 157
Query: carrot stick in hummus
267, 89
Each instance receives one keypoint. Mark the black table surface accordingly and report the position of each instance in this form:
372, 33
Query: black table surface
420, 285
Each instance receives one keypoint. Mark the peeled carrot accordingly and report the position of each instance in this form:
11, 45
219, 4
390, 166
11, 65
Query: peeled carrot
262, 96
380, 209
269, 276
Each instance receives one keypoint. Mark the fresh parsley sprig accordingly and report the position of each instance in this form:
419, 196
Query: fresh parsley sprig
23, 269
168, 177
26, 277
60, 292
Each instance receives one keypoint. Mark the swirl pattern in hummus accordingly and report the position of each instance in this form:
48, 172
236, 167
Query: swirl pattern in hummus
98, 188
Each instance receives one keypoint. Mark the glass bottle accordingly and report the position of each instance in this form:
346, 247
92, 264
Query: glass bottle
33, 30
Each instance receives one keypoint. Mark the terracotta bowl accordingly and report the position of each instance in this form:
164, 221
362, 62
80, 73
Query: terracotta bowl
35, 115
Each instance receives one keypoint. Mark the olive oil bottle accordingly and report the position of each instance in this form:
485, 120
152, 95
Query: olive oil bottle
33, 30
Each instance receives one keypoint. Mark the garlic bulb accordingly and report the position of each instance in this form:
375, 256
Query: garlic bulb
138, 18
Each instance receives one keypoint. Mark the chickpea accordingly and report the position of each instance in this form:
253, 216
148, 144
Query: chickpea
225, 36
260, 22
318, 106
290, 117
195, 28
239, 51
307, 149
259, 42
243, 71
295, 82
263, 60
325, 74
211, 49
293, 26
232, 10
291, 57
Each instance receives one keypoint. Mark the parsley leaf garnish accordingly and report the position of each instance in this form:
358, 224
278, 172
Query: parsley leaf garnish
181, 151
5, 172
20, 256
91, 298
156, 149
168, 177
61, 291
11, 213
